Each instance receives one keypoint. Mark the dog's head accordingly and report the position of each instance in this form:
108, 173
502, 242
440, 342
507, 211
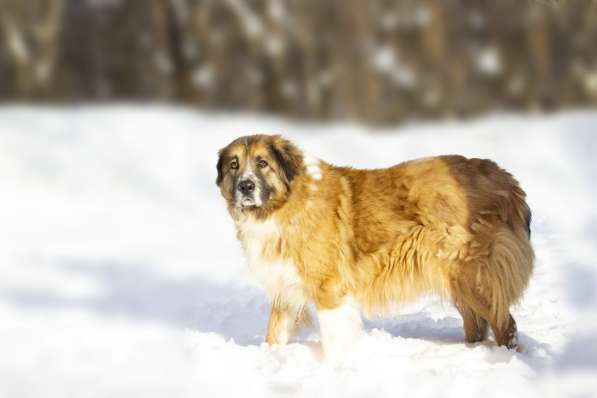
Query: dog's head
255, 173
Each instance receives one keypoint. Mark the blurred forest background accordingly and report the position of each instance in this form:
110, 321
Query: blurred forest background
378, 61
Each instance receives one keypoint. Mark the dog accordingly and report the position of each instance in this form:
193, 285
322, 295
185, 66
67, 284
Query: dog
347, 241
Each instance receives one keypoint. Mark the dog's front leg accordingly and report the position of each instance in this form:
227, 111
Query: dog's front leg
279, 325
284, 321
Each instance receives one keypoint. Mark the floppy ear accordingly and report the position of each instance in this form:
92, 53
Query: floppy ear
288, 157
220, 166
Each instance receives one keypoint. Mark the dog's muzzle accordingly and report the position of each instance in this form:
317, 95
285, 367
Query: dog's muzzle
246, 194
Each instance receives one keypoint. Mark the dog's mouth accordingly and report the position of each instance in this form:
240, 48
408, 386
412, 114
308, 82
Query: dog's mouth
248, 203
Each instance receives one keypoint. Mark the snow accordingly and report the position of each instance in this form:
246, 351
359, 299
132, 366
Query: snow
17, 46
386, 61
251, 23
591, 82
203, 77
277, 11
488, 61
121, 274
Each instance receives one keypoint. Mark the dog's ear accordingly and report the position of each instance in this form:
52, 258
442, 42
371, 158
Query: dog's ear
288, 157
220, 167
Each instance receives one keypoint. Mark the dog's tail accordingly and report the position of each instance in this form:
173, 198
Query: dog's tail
510, 268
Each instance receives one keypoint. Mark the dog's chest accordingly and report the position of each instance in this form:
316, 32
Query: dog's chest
277, 276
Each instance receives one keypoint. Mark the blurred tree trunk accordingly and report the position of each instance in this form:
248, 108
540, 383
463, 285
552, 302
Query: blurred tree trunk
30, 32
380, 61
116, 49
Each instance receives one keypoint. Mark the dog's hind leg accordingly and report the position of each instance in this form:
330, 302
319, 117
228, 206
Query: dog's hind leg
494, 277
475, 326
506, 334
474, 306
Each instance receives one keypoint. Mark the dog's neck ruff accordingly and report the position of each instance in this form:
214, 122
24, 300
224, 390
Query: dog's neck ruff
277, 276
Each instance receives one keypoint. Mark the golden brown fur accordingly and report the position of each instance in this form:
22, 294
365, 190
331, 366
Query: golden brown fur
449, 225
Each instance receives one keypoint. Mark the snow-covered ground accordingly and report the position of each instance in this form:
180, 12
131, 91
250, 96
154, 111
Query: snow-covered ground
120, 274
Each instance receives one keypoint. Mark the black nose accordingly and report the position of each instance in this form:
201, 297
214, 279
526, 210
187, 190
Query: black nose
246, 186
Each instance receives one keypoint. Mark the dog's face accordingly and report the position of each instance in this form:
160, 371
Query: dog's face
255, 173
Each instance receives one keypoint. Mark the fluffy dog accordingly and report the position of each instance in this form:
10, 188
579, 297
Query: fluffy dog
349, 240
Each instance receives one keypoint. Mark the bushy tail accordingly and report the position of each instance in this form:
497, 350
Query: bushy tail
511, 265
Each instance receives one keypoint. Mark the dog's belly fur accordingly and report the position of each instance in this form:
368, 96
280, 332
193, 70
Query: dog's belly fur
448, 225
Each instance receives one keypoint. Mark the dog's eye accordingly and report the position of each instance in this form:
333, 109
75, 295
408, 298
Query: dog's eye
262, 164
234, 164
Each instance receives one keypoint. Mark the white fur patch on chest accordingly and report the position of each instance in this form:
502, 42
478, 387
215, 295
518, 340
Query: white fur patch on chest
279, 278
